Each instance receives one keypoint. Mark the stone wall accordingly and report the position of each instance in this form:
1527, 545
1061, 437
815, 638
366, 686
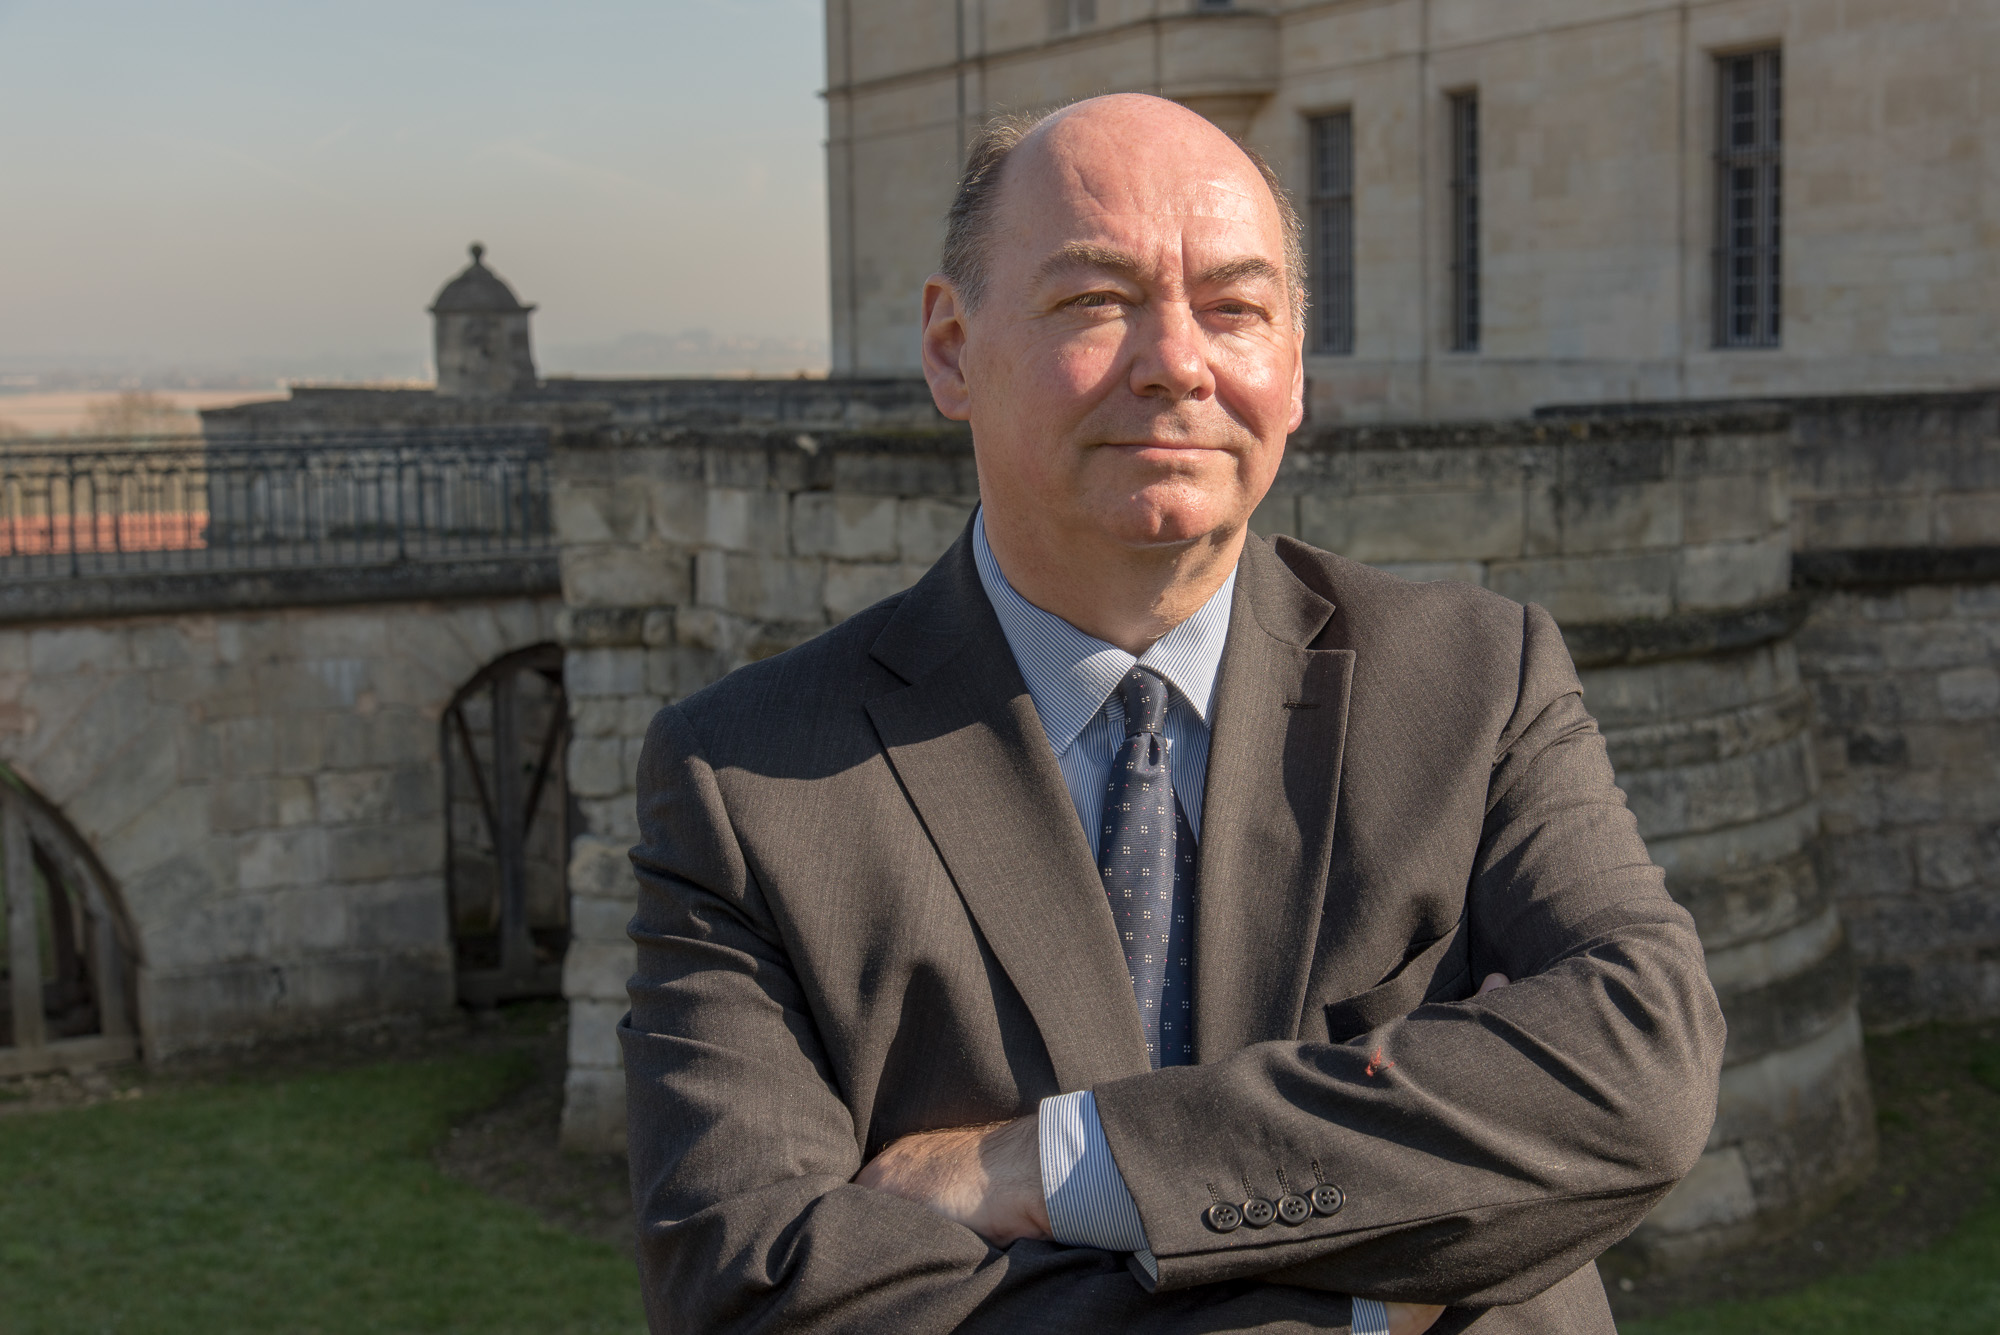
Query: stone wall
1898, 529
686, 553
1662, 546
264, 789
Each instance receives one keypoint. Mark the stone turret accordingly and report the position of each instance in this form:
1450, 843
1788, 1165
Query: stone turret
482, 335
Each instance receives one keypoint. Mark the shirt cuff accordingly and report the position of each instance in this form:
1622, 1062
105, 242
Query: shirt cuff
1370, 1317
1085, 1193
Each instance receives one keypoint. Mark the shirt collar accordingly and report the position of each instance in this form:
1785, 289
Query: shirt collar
1070, 674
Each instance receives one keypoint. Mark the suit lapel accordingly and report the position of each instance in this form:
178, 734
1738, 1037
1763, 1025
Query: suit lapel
964, 739
1274, 761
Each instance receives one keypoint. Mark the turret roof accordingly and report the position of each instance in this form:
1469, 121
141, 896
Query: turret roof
477, 289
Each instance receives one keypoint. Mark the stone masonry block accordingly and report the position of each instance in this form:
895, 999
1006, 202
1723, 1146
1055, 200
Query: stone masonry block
604, 672
949, 477
1277, 513
679, 510
741, 520
1728, 509
235, 805
926, 527
271, 859
595, 919
1969, 692
1969, 520
1426, 572
767, 588
68, 649
1619, 518
851, 528
1586, 589
600, 868
339, 634
593, 1116
851, 586
678, 671
399, 915
624, 576
597, 767
1881, 521
385, 851
597, 513
347, 797
1326, 520
593, 1033
597, 970
613, 817
1435, 526
1733, 574
305, 921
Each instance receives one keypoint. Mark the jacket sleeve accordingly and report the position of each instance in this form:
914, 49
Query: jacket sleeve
742, 1149
1487, 1147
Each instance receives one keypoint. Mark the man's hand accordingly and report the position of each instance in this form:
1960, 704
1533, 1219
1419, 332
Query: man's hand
988, 1178
1411, 1318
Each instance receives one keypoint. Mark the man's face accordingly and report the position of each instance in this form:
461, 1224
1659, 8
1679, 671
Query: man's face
1133, 367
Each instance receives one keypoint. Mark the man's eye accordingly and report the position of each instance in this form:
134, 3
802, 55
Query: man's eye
1094, 299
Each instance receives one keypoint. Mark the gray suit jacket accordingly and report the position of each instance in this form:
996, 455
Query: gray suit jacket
867, 908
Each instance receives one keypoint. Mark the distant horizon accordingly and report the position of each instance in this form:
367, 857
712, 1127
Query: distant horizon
273, 191
630, 353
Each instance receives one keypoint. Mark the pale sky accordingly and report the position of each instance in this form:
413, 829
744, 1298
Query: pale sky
205, 182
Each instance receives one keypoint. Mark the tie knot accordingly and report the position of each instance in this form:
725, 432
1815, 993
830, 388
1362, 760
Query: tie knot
1145, 695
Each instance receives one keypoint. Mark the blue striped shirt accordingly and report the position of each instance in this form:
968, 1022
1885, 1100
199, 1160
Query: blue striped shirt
1073, 679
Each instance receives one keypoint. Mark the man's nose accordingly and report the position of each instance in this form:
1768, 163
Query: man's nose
1172, 356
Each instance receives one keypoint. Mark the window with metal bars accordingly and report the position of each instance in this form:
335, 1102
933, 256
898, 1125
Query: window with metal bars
1331, 208
1749, 199
1465, 222
1071, 15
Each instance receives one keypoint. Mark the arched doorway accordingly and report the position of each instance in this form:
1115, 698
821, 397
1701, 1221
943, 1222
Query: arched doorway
508, 824
65, 944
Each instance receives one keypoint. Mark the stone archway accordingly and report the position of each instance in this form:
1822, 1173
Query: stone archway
508, 822
67, 947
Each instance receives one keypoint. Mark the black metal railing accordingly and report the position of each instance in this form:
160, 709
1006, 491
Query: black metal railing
185, 503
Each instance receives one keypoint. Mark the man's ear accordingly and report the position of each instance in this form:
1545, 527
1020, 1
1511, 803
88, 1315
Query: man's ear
944, 349
1298, 391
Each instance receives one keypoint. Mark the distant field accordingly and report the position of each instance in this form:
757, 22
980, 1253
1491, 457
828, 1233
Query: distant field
67, 413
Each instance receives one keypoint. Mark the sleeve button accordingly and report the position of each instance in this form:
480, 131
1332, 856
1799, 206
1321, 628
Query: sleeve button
1258, 1212
1224, 1217
1327, 1199
1294, 1208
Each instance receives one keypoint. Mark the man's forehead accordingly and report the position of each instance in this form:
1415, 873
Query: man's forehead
1063, 204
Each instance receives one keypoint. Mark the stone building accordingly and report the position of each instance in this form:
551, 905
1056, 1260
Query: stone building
1509, 204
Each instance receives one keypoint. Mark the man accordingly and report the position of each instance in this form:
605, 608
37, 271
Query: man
1086, 939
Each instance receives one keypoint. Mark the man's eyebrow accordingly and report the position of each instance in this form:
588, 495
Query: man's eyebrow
1246, 266
1084, 255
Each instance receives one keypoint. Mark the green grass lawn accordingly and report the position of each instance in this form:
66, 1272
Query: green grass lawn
304, 1203
1952, 1289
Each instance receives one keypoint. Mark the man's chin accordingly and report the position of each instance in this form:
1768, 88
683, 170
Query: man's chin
1144, 527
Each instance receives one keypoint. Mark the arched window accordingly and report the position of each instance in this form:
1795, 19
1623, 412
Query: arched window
65, 944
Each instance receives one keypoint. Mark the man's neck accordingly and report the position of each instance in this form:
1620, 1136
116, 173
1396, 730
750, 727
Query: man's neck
1125, 596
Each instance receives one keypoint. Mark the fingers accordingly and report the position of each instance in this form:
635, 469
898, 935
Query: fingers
1493, 982
1416, 1318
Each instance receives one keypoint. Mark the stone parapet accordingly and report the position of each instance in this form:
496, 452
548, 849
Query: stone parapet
1662, 544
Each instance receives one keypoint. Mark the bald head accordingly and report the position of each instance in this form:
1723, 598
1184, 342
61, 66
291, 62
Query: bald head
1146, 151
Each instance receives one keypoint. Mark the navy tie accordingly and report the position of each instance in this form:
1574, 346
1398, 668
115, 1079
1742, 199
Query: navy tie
1146, 856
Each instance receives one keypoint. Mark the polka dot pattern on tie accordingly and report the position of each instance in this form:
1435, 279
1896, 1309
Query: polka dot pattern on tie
1146, 857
